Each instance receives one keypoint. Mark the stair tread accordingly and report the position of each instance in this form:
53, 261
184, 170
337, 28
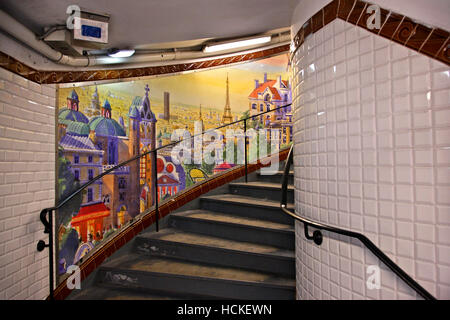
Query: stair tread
245, 200
279, 172
234, 219
262, 184
107, 293
135, 262
178, 236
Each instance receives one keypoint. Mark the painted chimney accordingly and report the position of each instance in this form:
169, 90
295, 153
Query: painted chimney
256, 83
166, 105
265, 76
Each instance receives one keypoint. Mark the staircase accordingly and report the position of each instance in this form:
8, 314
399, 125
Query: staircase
237, 245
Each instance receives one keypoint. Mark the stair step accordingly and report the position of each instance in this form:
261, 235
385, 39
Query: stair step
277, 173
276, 177
235, 246
215, 250
262, 209
108, 292
261, 190
234, 227
176, 276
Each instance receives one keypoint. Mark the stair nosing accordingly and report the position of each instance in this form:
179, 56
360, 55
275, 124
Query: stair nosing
279, 172
263, 185
276, 203
180, 215
165, 293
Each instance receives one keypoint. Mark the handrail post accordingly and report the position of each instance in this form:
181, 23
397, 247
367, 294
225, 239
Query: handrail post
245, 149
155, 183
41, 245
50, 253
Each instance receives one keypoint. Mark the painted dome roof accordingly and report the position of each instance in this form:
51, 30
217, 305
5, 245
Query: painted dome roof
223, 166
78, 128
73, 95
196, 173
72, 115
106, 127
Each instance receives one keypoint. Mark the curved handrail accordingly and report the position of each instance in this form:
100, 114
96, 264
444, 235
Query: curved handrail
317, 235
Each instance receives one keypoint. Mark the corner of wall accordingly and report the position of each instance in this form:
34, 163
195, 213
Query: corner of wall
27, 183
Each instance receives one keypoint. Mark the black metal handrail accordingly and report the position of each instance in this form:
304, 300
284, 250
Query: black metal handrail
46, 216
317, 235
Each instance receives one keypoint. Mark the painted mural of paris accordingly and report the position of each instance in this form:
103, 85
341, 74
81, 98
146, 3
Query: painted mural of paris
100, 126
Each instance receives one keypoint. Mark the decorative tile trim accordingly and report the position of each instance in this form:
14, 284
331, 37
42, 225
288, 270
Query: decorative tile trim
13, 65
433, 42
127, 234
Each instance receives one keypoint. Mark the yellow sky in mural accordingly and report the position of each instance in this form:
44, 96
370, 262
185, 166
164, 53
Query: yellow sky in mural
202, 87
187, 92
208, 87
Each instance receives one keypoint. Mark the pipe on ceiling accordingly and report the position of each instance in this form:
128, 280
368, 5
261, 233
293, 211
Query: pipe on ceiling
21, 33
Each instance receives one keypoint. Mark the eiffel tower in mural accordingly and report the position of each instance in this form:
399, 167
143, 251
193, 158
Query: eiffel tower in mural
227, 117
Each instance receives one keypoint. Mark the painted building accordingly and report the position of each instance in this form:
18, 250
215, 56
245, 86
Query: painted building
70, 113
86, 158
98, 144
94, 108
269, 95
89, 222
144, 128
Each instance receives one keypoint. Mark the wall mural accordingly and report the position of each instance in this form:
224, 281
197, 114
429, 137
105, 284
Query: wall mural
100, 126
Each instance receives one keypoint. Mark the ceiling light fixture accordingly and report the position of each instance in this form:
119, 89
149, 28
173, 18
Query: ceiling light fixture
115, 53
236, 44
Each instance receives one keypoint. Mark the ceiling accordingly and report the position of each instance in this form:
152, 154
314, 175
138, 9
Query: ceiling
149, 24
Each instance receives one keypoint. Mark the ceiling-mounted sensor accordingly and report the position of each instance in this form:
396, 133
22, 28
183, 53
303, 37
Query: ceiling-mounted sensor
91, 27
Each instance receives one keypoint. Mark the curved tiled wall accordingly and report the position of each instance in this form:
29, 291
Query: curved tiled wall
372, 154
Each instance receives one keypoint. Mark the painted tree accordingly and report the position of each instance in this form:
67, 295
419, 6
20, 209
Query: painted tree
67, 184
67, 237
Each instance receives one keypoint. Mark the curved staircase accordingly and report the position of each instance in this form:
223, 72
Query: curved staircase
234, 245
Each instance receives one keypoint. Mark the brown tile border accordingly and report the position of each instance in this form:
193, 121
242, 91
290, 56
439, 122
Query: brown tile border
391, 25
49, 77
127, 234
433, 42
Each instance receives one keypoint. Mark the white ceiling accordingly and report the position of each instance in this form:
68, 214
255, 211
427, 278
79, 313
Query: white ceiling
144, 23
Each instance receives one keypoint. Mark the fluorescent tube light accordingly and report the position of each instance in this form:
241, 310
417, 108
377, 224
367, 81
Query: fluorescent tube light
121, 54
236, 44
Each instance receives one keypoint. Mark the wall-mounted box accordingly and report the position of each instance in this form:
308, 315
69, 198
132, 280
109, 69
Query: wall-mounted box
90, 30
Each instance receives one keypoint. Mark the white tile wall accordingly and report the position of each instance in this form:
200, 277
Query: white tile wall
372, 131
27, 183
